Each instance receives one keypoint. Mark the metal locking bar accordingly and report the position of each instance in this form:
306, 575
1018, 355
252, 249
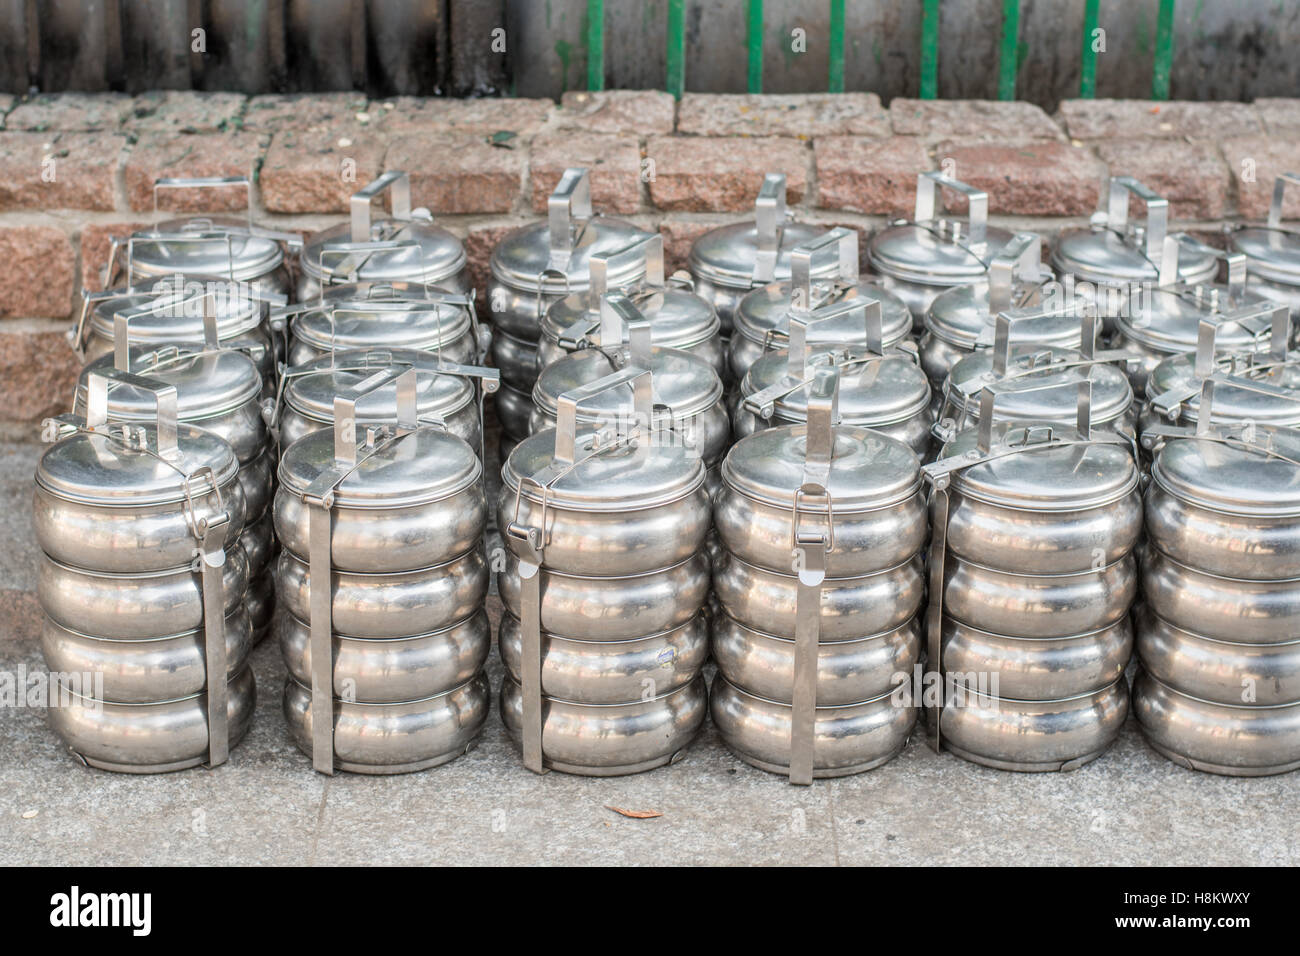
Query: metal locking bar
927, 184
1157, 221
1279, 189
1020, 259
770, 213
812, 548
210, 557
570, 201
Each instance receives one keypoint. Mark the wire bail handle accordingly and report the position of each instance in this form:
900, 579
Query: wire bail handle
1233, 265
927, 183
649, 249
1208, 330
839, 245
396, 182
207, 182
799, 349
164, 396
1119, 189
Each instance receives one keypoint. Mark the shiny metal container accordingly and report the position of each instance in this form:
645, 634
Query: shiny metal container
142, 582
1173, 388
678, 318
1023, 370
879, 388
962, 319
218, 388
1217, 638
688, 397
1272, 252
1115, 260
819, 582
604, 588
201, 247
173, 313
1155, 322
385, 658
761, 322
1032, 575
538, 265
730, 261
385, 315
920, 258
405, 247
444, 390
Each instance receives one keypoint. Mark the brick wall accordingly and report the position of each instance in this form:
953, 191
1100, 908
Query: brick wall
79, 168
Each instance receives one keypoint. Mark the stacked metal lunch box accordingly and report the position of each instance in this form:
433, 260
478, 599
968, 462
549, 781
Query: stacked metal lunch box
965, 489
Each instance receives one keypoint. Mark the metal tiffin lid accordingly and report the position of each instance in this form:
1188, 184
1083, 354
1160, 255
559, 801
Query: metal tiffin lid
1174, 386
404, 246
1242, 468
401, 463
876, 386
1037, 466
1272, 250
1167, 318
964, 315
434, 320
629, 465
683, 383
763, 315
931, 249
1114, 251
745, 255
219, 247
678, 317
442, 388
1022, 369
138, 463
863, 469
211, 378
553, 257
169, 311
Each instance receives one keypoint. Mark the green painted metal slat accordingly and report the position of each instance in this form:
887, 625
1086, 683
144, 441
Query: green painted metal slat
930, 50
1009, 60
1164, 51
835, 81
755, 37
595, 44
1088, 69
676, 57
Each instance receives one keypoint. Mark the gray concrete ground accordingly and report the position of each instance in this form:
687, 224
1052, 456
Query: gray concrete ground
266, 806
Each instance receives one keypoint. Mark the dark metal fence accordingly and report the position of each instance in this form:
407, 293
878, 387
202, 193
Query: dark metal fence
1039, 50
